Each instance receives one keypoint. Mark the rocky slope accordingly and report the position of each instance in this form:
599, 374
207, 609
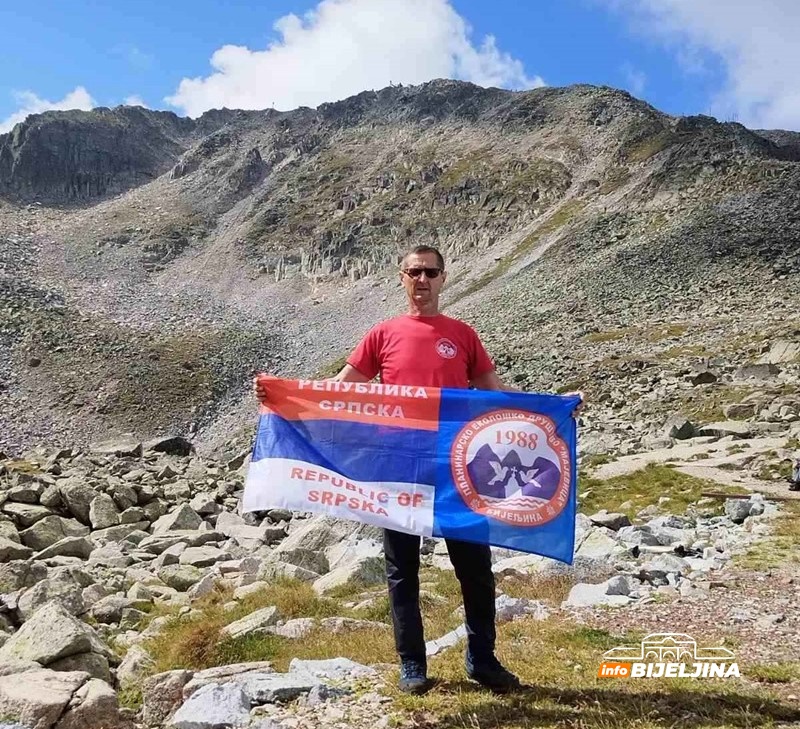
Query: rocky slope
592, 240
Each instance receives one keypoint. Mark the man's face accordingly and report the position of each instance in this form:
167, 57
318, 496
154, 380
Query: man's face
421, 288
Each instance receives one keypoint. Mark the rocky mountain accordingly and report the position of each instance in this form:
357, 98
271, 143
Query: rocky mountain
150, 264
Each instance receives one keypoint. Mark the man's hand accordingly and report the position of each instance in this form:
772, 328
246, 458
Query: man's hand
260, 386
579, 407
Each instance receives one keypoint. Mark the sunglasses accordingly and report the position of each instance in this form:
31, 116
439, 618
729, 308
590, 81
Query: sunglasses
417, 272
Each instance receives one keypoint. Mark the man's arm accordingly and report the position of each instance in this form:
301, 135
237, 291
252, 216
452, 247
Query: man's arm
348, 373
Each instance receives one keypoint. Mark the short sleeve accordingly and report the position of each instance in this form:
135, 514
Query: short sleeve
480, 363
365, 357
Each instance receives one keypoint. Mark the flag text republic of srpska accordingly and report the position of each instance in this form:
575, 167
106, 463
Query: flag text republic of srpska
478, 465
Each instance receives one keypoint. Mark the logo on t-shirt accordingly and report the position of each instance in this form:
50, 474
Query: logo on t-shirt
445, 348
512, 465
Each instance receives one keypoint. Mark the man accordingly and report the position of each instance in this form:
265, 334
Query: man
429, 349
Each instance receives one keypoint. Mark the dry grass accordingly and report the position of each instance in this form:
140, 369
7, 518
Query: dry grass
781, 547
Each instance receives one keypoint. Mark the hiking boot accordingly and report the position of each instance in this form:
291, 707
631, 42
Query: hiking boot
794, 486
490, 672
413, 677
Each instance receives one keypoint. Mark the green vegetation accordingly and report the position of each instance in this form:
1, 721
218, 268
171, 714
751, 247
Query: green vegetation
644, 488
646, 148
773, 672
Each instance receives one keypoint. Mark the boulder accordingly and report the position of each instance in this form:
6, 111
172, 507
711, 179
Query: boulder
92, 663
201, 556
182, 518
236, 672
103, 512
94, 706
174, 446
124, 445
18, 574
364, 571
13, 550
135, 666
737, 510
49, 634
162, 694
60, 587
589, 595
613, 521
41, 698
77, 495
25, 515
212, 707
678, 427
50, 530
68, 547
256, 622
180, 576
271, 688
734, 428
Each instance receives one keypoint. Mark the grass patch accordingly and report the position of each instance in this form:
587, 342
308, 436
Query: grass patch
773, 672
644, 488
707, 405
552, 589
559, 663
130, 696
649, 147
781, 547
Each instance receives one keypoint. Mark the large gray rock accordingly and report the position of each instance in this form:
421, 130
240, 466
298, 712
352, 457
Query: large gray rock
180, 576
589, 595
201, 556
256, 622
162, 694
68, 547
103, 512
26, 515
613, 521
110, 555
18, 574
321, 532
735, 428
599, 544
237, 672
214, 707
273, 688
175, 445
60, 587
678, 427
13, 550
40, 699
123, 445
92, 663
135, 666
78, 496
93, 706
50, 530
49, 634
336, 669
737, 510
364, 571
181, 518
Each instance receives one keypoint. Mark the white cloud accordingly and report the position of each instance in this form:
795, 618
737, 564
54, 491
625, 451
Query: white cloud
30, 103
635, 79
135, 100
343, 47
756, 42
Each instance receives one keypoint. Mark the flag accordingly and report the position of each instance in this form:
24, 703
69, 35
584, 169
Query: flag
482, 466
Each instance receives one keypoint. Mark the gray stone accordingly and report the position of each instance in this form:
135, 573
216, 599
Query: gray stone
202, 588
204, 504
50, 530
60, 587
201, 556
182, 518
507, 608
599, 545
109, 609
237, 672
338, 625
13, 550
162, 694
124, 496
336, 669
737, 510
271, 688
256, 622
618, 585
123, 445
660, 567
214, 707
763, 371
103, 512
295, 628
92, 663
636, 535
180, 576
77, 495
135, 666
363, 571
115, 534
49, 634
735, 428
678, 427
174, 445
68, 547
93, 706
613, 521
28, 493
589, 595
19, 574
39, 700
110, 555
26, 515
434, 647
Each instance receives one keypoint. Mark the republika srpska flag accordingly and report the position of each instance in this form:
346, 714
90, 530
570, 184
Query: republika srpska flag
477, 465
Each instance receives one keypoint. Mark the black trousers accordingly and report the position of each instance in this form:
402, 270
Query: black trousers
473, 568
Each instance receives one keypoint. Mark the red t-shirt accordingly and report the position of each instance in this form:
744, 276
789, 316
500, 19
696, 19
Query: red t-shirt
428, 351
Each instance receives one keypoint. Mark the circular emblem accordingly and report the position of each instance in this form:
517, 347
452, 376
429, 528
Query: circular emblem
511, 465
445, 348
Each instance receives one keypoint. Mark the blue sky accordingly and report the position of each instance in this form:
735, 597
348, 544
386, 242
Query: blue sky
719, 58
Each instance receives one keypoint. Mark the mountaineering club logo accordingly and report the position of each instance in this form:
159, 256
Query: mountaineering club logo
445, 348
511, 465
671, 655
